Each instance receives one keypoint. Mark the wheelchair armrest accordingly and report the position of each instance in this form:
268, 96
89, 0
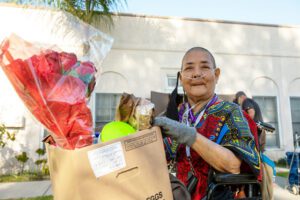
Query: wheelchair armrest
234, 178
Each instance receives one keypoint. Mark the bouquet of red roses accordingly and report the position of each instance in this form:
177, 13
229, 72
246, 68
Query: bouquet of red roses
54, 86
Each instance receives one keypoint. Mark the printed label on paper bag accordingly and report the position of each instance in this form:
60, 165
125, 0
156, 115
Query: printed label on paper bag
107, 159
140, 141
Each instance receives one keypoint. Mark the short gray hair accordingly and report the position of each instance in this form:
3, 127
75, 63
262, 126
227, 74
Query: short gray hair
203, 50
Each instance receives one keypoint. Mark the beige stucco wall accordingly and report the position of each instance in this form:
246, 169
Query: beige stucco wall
243, 52
259, 59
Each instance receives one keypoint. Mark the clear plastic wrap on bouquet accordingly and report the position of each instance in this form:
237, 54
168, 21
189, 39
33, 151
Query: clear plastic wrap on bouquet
55, 85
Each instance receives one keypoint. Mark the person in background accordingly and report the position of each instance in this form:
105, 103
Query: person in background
253, 110
211, 133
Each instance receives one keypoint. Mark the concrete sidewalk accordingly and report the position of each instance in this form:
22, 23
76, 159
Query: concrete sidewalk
25, 189
280, 191
43, 188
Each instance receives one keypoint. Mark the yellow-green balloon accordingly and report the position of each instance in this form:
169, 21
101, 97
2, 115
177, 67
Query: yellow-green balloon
116, 129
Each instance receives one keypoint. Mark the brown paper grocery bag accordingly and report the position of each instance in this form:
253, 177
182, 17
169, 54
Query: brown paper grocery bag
132, 167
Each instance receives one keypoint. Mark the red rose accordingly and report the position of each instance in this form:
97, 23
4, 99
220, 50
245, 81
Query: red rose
67, 60
58, 101
86, 68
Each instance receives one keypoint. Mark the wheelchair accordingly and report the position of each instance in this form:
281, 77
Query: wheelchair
231, 183
220, 182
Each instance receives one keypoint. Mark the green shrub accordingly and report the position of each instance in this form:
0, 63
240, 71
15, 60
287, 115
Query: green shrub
42, 163
282, 162
5, 136
22, 158
40, 152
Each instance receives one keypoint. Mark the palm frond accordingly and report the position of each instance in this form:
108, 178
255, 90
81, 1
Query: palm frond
83, 9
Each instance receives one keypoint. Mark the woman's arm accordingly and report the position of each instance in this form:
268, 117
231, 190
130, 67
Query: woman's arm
218, 157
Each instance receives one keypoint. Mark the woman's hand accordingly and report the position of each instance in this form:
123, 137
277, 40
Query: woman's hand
182, 133
215, 155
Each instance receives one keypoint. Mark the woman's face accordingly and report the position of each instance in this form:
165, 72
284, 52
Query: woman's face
198, 75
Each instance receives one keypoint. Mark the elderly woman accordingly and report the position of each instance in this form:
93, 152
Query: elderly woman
202, 118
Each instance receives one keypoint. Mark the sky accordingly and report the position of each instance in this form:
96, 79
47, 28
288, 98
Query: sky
283, 12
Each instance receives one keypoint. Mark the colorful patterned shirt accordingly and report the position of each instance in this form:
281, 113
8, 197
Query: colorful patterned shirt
238, 139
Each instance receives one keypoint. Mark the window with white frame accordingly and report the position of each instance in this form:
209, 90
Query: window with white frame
295, 110
268, 106
105, 107
171, 84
